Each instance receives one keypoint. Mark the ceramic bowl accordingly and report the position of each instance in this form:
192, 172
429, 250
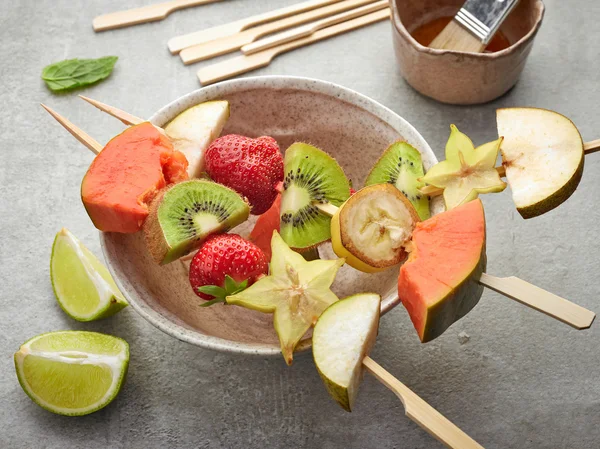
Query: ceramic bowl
460, 77
351, 127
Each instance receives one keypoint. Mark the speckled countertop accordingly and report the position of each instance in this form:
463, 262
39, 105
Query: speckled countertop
520, 381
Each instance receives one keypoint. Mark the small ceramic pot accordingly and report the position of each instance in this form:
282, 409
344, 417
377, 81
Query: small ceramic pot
351, 127
460, 77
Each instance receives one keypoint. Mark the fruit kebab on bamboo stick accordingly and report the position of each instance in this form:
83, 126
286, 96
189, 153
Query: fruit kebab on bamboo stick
465, 173
296, 290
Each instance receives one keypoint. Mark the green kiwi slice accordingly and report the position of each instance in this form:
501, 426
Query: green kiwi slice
311, 175
184, 215
401, 166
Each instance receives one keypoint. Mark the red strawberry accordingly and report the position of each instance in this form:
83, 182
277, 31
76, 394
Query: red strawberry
225, 264
251, 167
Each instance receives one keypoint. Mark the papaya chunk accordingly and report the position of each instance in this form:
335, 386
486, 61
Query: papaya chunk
438, 284
127, 174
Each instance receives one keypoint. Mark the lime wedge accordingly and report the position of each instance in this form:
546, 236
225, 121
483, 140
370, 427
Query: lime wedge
72, 372
83, 286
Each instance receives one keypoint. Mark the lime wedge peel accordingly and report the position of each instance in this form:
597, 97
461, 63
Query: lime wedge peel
72, 373
83, 287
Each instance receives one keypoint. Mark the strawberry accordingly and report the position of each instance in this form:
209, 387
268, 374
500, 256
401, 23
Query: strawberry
251, 167
224, 265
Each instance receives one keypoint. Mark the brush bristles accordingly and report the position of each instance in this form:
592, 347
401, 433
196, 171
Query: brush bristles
455, 37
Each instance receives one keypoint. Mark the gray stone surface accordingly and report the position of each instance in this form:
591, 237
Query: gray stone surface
521, 381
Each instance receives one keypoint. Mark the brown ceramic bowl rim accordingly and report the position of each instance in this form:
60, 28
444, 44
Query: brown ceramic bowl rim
397, 23
276, 82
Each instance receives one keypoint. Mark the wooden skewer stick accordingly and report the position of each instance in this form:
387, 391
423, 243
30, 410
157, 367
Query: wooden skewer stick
232, 43
307, 30
79, 134
242, 64
144, 14
125, 117
521, 291
176, 44
421, 412
588, 148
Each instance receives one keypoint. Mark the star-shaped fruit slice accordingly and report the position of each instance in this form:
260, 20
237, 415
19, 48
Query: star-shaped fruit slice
296, 292
467, 171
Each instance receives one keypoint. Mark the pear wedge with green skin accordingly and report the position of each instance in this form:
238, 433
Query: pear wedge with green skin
467, 171
342, 338
543, 155
192, 131
296, 292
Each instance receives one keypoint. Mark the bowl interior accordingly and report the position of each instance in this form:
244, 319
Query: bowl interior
352, 128
414, 13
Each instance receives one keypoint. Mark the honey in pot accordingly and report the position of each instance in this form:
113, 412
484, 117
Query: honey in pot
425, 34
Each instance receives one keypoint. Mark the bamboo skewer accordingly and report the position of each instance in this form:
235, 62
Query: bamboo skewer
178, 43
421, 412
76, 132
588, 148
307, 30
144, 14
243, 64
232, 43
523, 292
125, 117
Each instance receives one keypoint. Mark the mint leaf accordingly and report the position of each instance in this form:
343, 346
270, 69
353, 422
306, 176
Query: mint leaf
73, 73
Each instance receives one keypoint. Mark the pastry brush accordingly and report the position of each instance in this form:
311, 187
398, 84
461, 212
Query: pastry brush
474, 25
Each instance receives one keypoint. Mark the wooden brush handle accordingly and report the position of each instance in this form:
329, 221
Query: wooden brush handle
540, 300
243, 64
144, 14
178, 43
421, 412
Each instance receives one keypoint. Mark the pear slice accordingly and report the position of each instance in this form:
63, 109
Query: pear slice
296, 291
192, 131
342, 338
543, 155
371, 228
467, 171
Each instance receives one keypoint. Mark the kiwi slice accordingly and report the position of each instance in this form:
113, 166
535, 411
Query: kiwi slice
311, 175
401, 165
184, 215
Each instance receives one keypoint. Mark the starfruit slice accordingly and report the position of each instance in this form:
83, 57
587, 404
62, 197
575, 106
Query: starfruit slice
467, 171
296, 292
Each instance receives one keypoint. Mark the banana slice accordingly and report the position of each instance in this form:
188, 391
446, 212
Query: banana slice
372, 227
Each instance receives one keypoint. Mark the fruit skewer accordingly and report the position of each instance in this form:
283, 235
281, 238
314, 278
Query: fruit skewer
518, 290
429, 190
511, 287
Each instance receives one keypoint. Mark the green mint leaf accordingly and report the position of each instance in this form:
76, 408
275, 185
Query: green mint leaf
213, 290
212, 301
74, 73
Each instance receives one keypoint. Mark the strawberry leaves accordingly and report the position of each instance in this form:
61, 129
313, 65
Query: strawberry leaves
220, 293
